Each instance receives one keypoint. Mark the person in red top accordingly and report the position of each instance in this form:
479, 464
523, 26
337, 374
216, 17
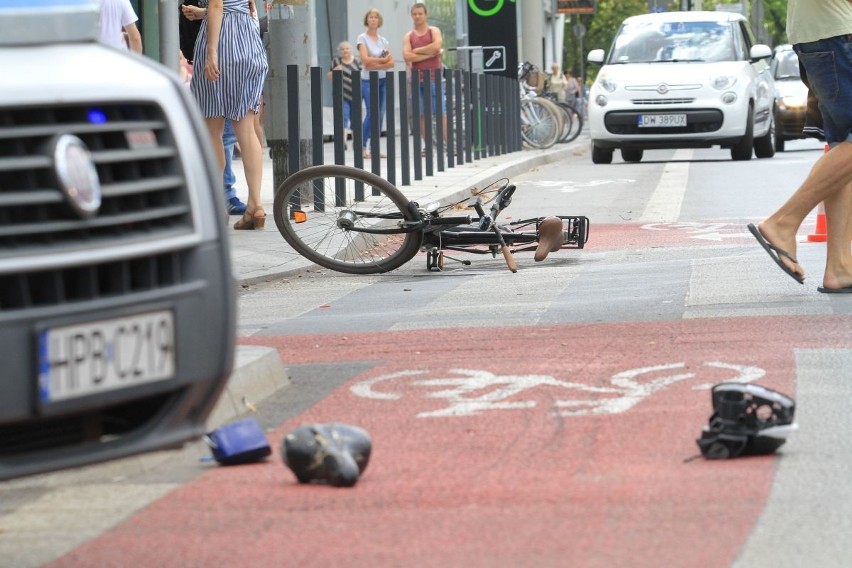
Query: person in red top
422, 48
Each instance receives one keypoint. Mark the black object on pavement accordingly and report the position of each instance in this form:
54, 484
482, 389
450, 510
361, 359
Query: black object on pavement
335, 454
747, 419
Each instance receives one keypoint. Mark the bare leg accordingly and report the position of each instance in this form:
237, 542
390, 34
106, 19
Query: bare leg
825, 182
252, 160
838, 262
216, 127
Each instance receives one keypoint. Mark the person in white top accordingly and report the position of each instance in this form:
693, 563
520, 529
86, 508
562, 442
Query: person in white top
118, 19
375, 56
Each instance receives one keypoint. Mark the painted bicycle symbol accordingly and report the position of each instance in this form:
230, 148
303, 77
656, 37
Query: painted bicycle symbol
471, 392
485, 12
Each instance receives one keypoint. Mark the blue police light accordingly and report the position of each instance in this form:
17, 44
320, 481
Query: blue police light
96, 116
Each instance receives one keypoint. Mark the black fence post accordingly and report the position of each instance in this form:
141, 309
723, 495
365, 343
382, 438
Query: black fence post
467, 106
403, 128
293, 130
391, 130
438, 104
451, 118
375, 124
428, 130
357, 134
337, 117
415, 125
316, 134
473, 115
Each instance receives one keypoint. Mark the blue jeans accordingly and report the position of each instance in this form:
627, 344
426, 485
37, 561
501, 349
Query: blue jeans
229, 139
347, 113
365, 94
828, 63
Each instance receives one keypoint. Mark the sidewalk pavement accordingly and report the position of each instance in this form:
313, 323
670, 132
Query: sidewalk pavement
261, 256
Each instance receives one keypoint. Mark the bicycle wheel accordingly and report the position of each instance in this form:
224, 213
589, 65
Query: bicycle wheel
576, 122
539, 123
346, 219
567, 123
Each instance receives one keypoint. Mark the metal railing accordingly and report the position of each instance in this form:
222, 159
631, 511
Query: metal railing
482, 119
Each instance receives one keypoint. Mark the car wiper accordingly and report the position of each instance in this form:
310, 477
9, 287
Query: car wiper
676, 61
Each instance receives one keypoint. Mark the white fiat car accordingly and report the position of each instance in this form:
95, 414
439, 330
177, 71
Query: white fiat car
682, 80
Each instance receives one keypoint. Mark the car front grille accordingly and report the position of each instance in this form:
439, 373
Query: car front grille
137, 161
681, 101
93, 281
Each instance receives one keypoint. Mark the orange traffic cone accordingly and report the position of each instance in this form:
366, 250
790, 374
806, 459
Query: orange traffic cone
821, 233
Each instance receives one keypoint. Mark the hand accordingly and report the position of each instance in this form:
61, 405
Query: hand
211, 67
193, 12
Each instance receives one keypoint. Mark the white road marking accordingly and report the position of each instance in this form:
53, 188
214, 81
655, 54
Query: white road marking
667, 199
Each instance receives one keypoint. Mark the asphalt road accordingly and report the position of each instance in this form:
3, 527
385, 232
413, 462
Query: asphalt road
543, 418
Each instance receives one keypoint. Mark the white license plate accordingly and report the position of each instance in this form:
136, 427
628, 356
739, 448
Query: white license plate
89, 358
661, 120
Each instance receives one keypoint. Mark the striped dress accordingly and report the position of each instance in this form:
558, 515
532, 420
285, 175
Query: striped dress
242, 65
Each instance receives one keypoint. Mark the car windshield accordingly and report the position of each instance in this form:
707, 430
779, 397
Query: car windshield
646, 41
787, 66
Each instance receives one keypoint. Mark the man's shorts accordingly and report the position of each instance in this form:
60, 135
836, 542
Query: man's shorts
433, 91
828, 63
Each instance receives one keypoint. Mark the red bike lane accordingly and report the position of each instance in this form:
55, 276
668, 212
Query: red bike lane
562, 445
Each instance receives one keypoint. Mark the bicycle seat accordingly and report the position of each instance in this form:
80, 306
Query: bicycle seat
550, 238
336, 454
747, 419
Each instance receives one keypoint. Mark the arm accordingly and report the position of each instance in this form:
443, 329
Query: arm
214, 27
415, 54
371, 63
193, 12
134, 38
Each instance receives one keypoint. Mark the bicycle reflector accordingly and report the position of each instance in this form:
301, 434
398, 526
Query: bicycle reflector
747, 419
300, 216
335, 454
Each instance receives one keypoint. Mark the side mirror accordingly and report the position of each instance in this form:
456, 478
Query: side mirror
759, 51
597, 56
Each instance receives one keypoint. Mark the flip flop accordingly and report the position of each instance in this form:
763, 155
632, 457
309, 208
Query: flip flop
824, 290
776, 253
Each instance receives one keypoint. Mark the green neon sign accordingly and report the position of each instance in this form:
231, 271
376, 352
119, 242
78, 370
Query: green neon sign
483, 12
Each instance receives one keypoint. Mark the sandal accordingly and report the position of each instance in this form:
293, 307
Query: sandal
251, 221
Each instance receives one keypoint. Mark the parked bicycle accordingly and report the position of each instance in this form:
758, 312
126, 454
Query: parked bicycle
353, 221
542, 122
572, 119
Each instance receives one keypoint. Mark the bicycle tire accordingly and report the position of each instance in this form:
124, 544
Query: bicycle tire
539, 123
576, 122
329, 234
567, 124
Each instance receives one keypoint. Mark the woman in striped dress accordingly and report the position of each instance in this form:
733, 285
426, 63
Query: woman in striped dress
230, 67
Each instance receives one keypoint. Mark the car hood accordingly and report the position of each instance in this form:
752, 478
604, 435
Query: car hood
693, 75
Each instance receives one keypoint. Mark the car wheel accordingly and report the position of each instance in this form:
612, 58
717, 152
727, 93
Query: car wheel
632, 155
601, 155
764, 147
743, 149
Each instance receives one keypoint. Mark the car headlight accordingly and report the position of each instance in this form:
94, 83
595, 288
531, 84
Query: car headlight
794, 102
723, 82
607, 84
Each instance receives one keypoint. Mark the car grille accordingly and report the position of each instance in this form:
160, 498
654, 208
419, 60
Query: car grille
144, 199
143, 186
681, 101
92, 281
